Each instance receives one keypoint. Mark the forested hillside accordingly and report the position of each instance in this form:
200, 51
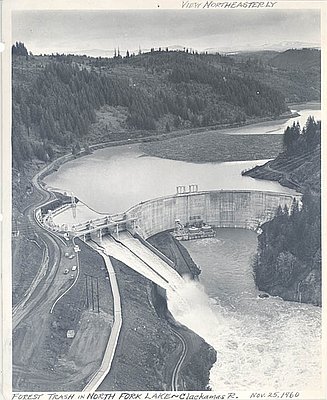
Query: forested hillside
299, 165
295, 72
288, 263
297, 59
65, 102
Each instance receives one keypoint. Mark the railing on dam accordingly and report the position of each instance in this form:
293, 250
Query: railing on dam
221, 208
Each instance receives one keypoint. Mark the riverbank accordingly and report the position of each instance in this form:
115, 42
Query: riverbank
177, 253
145, 136
255, 141
155, 137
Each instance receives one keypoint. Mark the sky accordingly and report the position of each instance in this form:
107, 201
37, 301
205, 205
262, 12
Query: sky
100, 31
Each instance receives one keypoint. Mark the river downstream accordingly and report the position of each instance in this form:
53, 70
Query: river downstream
260, 343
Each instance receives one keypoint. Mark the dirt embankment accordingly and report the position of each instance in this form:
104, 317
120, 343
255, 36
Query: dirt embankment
177, 253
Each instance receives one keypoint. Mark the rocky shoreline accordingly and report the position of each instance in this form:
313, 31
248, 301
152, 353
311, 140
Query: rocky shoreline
301, 173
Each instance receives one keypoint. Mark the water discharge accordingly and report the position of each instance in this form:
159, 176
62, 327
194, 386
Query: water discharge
260, 343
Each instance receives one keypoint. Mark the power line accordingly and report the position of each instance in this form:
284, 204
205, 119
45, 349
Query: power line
92, 292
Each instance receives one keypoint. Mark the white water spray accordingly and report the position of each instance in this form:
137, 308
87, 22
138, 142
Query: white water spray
267, 343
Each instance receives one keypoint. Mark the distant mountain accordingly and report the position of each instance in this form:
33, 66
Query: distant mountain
110, 53
94, 52
281, 46
230, 50
263, 55
296, 59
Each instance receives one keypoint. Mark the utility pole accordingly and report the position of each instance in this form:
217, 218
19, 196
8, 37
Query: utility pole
73, 204
87, 292
92, 294
98, 295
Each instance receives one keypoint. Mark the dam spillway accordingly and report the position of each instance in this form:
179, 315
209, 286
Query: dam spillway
140, 258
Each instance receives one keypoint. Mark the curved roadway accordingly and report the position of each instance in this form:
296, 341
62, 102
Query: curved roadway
51, 260
175, 375
109, 353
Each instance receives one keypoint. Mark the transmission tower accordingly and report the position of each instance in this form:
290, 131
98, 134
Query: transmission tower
73, 203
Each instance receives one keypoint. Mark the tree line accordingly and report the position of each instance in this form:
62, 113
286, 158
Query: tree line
297, 140
289, 247
19, 49
57, 108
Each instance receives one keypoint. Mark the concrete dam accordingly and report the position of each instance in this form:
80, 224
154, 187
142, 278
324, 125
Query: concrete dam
219, 208
246, 209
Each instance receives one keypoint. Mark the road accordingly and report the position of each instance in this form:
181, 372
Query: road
71, 286
286, 176
175, 375
108, 357
38, 291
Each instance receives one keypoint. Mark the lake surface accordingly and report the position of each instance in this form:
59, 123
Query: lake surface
261, 343
278, 127
112, 180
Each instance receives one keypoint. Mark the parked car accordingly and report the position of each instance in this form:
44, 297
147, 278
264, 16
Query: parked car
74, 267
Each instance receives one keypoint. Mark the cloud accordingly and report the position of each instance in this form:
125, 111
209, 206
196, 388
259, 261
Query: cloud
64, 31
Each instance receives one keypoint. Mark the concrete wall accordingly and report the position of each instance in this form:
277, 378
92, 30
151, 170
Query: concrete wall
221, 208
